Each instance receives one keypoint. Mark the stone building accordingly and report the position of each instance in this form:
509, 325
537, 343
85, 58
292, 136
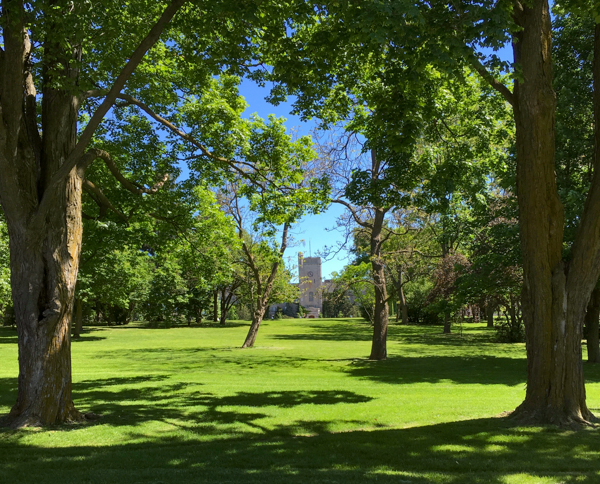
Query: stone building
310, 281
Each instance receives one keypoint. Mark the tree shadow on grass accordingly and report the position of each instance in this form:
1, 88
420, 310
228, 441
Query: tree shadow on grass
8, 392
133, 402
8, 335
362, 331
227, 439
475, 451
482, 369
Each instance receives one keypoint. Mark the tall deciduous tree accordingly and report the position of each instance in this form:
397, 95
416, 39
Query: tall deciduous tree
42, 159
556, 291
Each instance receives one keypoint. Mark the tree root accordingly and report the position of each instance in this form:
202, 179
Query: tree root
26, 419
571, 420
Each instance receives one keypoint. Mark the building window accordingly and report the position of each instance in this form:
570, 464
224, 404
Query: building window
311, 297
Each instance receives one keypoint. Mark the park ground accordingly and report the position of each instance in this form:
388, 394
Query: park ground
305, 405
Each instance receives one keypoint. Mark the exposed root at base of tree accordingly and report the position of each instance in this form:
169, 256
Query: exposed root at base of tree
74, 417
551, 417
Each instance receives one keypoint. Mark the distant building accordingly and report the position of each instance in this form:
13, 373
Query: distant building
310, 282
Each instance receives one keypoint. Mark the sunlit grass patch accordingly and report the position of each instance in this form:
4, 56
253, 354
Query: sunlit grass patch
305, 405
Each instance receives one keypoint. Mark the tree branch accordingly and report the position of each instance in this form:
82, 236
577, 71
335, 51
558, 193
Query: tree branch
353, 213
87, 134
133, 187
182, 134
101, 199
491, 80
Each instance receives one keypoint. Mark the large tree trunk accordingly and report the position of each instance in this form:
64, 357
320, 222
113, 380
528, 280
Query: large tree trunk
40, 193
591, 324
554, 298
381, 312
43, 277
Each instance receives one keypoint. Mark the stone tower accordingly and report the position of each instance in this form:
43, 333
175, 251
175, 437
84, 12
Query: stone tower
309, 272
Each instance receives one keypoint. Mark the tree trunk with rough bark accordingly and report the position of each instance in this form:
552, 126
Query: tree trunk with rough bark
591, 325
490, 315
381, 312
40, 194
555, 295
447, 322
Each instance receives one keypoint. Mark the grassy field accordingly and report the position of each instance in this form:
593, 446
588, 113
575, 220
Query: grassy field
187, 405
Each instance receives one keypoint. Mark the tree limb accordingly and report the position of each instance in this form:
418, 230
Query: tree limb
194, 142
353, 213
133, 187
491, 80
101, 199
86, 136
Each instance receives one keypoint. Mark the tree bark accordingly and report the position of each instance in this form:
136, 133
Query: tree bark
554, 298
40, 194
381, 312
490, 314
43, 277
591, 324
226, 303
257, 318
215, 306
78, 318
447, 322
402, 300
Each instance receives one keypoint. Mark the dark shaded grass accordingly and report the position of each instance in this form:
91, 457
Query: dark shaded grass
474, 451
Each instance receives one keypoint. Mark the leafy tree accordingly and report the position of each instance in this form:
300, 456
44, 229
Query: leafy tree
263, 246
410, 36
43, 160
60, 68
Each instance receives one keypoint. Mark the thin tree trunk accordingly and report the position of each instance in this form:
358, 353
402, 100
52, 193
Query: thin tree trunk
402, 300
381, 312
257, 318
591, 324
78, 319
264, 291
490, 315
225, 300
215, 306
447, 322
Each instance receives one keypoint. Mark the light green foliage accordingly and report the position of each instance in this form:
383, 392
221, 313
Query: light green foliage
161, 269
185, 404
271, 170
357, 278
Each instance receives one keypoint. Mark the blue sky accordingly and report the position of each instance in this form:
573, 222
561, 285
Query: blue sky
311, 235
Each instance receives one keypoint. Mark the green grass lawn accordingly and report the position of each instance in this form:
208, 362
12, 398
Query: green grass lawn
188, 405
